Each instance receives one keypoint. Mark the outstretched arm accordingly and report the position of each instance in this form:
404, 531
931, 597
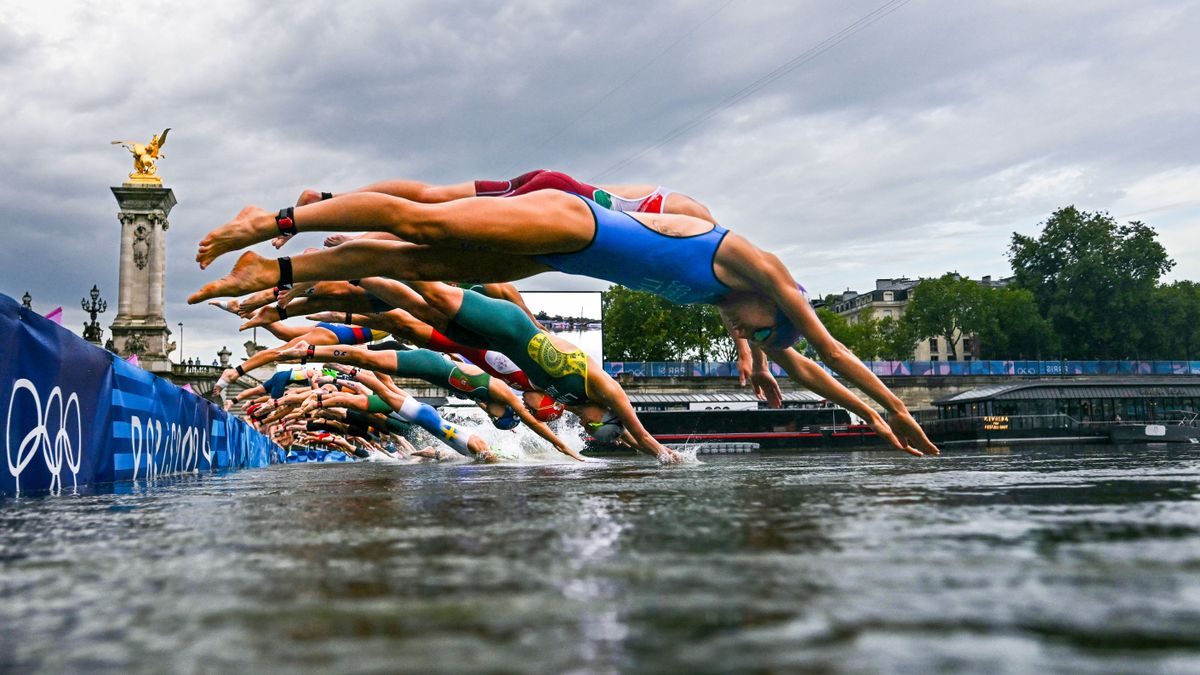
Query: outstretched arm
500, 391
754, 369
814, 377
606, 392
845, 363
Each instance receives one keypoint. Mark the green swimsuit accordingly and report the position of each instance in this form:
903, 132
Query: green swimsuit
510, 331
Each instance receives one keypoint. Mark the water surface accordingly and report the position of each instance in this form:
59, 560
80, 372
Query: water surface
1028, 560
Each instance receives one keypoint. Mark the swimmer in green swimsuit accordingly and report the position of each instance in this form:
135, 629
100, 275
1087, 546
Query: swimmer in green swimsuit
493, 395
552, 364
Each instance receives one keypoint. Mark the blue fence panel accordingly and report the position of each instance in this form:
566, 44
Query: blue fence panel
1063, 368
76, 415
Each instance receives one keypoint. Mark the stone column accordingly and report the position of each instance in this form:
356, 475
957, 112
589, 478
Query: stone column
158, 263
125, 289
140, 326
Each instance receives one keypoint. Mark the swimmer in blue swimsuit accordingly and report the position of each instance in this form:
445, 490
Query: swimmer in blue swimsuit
482, 239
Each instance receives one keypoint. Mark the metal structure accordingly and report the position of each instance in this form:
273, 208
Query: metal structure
92, 332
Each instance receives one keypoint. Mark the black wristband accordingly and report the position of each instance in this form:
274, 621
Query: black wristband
349, 316
326, 195
355, 282
312, 349
282, 312
285, 271
286, 221
240, 370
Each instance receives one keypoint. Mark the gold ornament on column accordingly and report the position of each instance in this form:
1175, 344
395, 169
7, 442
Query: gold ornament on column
144, 158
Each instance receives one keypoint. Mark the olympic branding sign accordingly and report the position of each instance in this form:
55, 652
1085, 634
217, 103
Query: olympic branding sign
167, 448
51, 434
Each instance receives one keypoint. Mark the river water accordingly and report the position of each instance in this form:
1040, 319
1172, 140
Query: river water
1069, 560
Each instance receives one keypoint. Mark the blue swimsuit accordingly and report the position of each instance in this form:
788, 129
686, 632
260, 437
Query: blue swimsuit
625, 251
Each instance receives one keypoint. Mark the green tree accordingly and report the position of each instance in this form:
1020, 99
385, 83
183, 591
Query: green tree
641, 326
1174, 311
948, 307
897, 340
1091, 279
1011, 327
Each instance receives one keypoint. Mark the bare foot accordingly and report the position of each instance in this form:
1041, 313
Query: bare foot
255, 301
336, 240
250, 226
308, 197
262, 317
251, 272
279, 241
230, 306
293, 353
479, 448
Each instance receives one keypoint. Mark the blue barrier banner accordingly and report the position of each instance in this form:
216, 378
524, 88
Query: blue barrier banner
922, 368
75, 415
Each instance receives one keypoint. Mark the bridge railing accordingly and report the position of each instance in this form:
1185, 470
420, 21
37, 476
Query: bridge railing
924, 368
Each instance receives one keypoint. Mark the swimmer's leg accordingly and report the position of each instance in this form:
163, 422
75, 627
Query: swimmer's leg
547, 221
361, 258
451, 434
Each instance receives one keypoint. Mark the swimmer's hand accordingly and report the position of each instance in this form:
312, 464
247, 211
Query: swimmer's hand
889, 435
766, 388
911, 435
669, 456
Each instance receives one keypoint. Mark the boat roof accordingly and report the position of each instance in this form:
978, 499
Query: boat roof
1077, 388
721, 397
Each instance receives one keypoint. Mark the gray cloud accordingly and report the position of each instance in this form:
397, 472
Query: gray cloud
914, 147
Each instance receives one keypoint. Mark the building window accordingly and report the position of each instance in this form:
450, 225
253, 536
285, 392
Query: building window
888, 296
933, 346
966, 345
933, 357
887, 312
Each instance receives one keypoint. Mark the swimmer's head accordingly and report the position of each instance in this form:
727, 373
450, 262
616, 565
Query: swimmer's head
757, 318
608, 429
781, 335
543, 406
508, 420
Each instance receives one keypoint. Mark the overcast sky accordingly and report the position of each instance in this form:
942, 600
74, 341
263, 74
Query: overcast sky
912, 147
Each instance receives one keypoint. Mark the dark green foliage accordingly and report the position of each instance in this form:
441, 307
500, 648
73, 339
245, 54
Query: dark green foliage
641, 326
1092, 279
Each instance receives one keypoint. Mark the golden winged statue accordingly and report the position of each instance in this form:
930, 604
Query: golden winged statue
144, 157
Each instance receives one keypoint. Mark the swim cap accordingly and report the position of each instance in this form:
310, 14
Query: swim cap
547, 409
784, 333
608, 429
508, 420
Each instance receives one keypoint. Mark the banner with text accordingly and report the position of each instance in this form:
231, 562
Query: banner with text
75, 415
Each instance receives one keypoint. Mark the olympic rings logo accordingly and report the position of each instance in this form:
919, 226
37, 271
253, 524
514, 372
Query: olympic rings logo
51, 435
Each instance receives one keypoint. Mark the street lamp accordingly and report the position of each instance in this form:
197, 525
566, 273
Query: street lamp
181, 342
26, 300
92, 331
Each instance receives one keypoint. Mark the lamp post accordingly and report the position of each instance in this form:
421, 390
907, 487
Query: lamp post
92, 331
181, 360
27, 300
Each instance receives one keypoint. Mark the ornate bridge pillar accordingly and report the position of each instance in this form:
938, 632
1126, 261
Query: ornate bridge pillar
140, 327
